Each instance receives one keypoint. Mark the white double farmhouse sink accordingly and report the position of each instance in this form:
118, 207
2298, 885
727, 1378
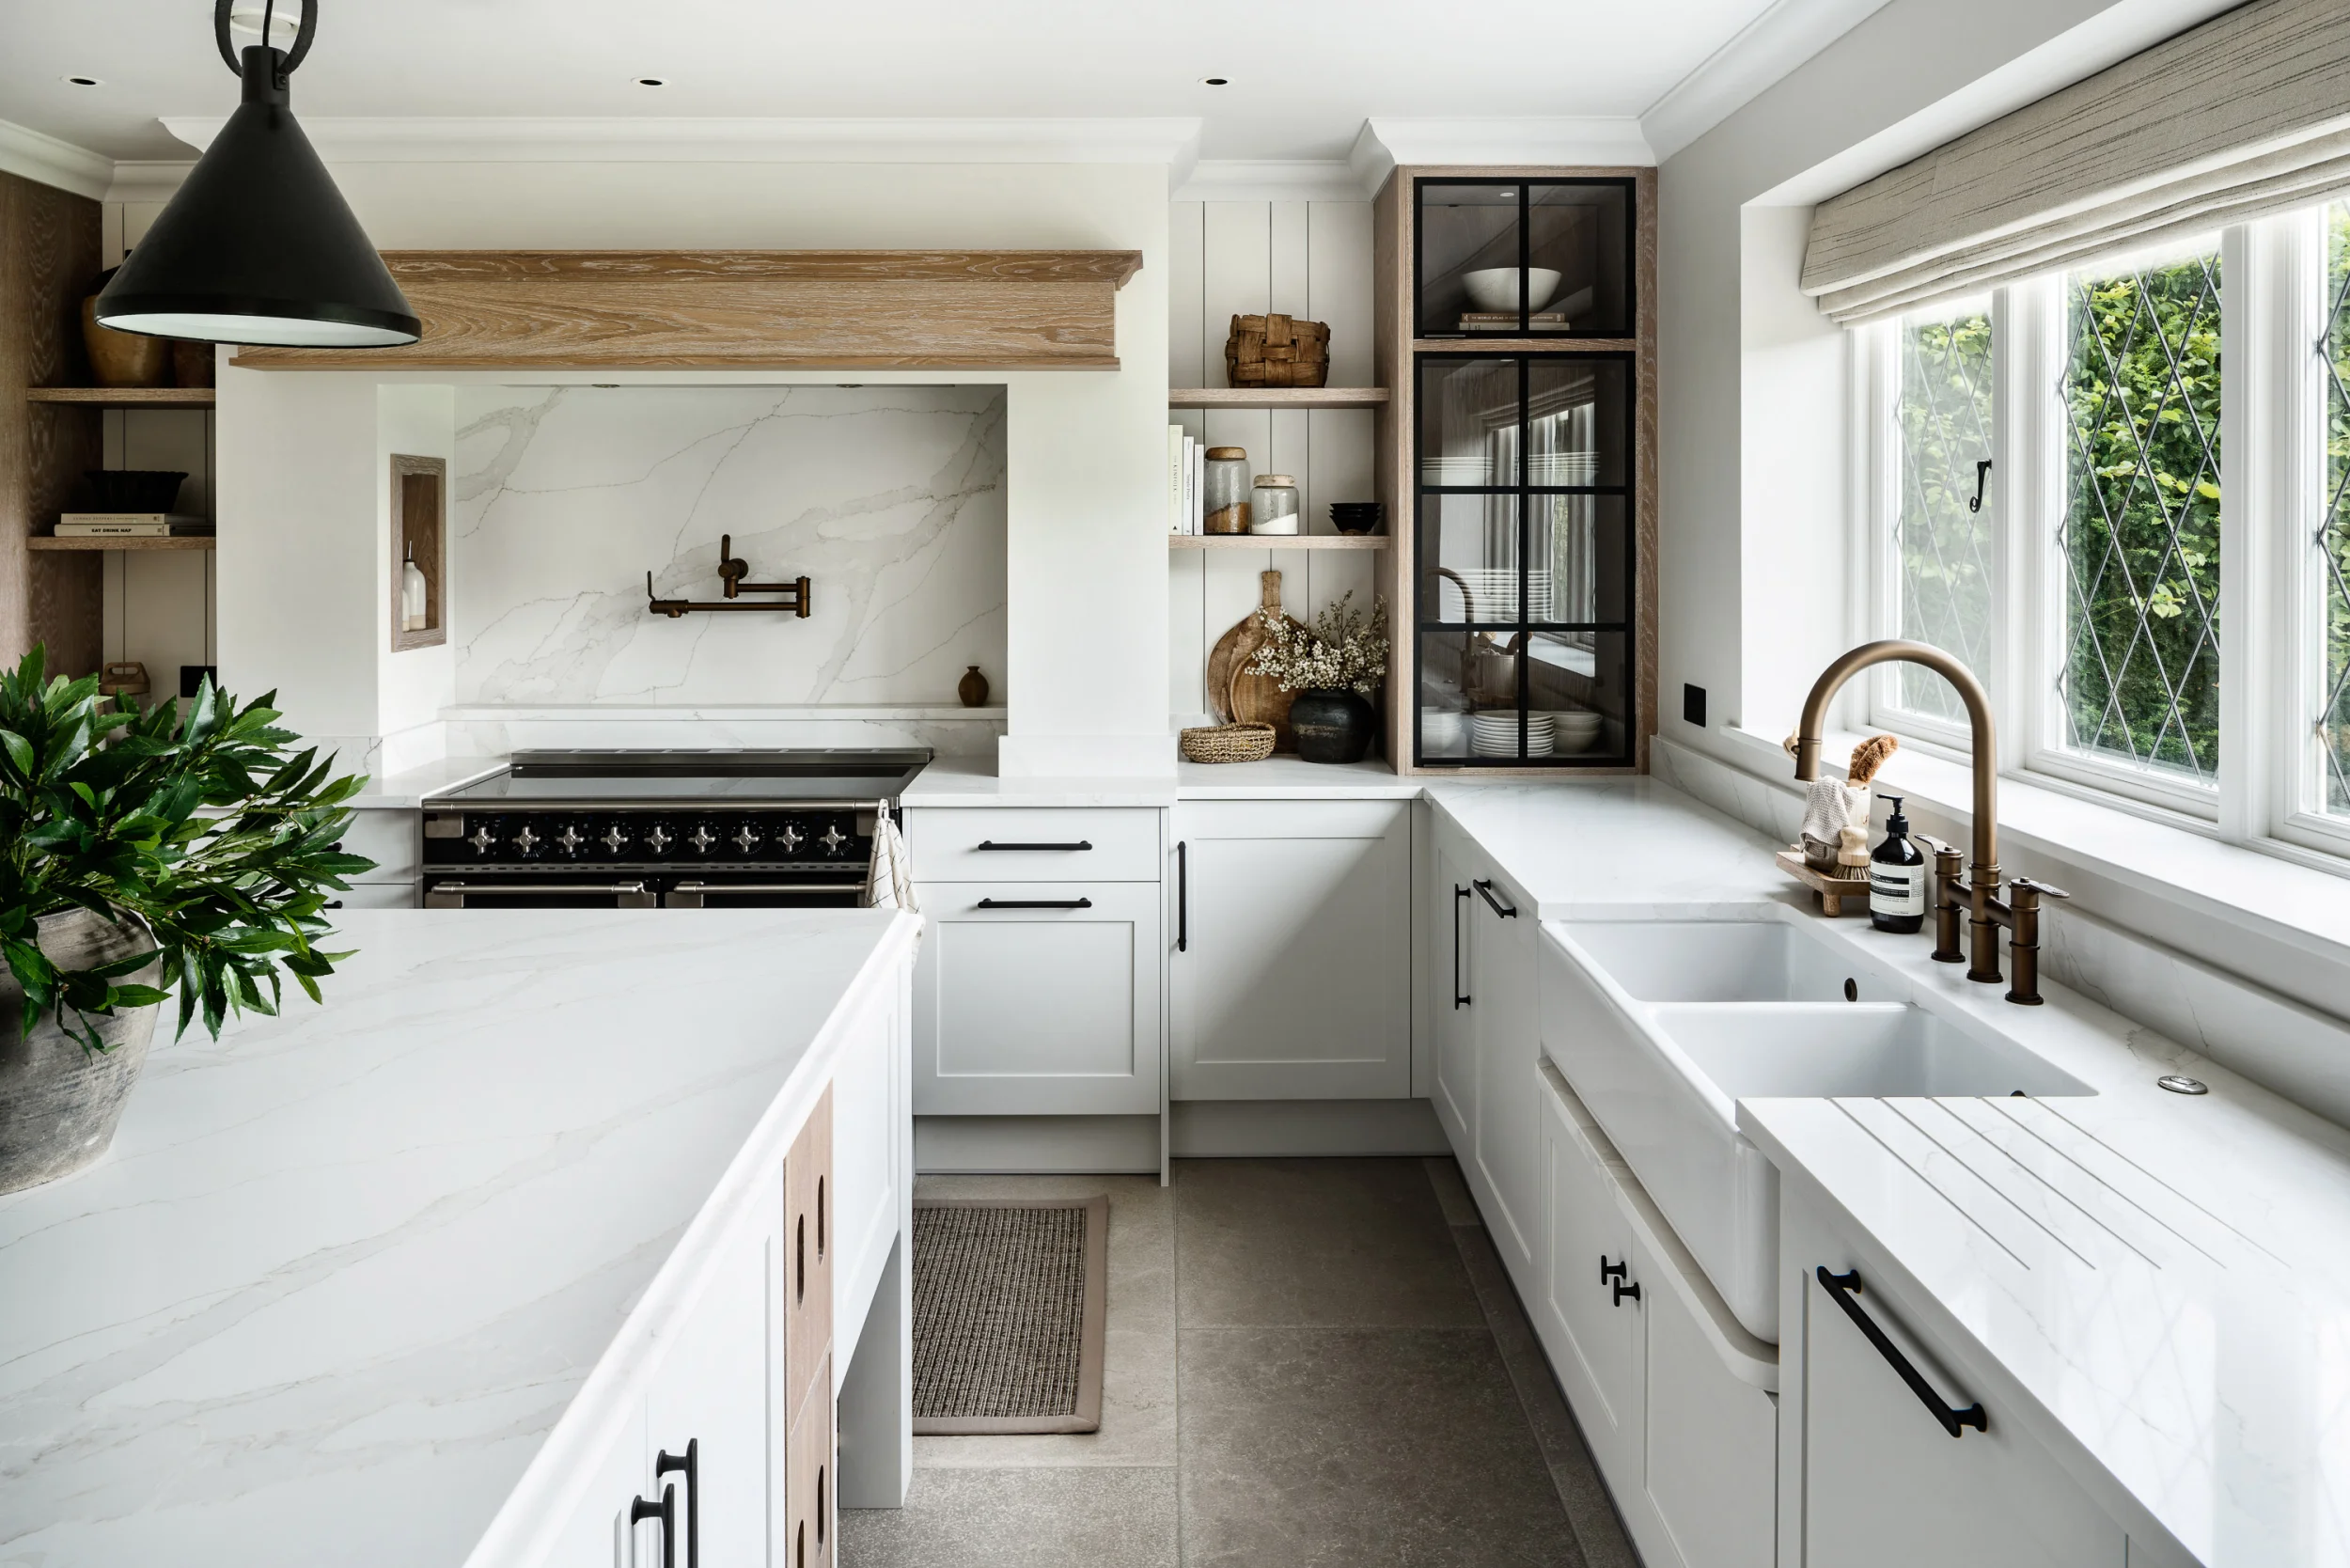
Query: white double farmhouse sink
1661, 1027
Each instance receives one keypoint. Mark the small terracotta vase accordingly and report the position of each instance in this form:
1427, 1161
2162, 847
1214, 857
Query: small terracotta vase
972, 688
123, 358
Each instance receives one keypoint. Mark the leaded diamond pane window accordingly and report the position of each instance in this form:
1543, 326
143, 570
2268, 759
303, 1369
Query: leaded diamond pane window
2333, 534
2138, 677
1941, 538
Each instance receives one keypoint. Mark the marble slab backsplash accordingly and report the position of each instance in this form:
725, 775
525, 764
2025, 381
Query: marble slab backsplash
889, 498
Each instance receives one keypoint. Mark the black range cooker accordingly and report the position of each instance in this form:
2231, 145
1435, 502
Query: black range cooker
662, 830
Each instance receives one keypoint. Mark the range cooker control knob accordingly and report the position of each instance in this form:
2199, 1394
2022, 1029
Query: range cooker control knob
833, 839
791, 837
569, 839
659, 841
701, 837
482, 839
746, 837
526, 842
615, 838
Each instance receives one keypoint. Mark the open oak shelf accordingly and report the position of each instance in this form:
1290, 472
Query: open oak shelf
1276, 541
1275, 396
44, 541
125, 397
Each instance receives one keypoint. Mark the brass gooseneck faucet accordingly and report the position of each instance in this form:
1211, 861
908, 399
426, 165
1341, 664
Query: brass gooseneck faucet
1977, 891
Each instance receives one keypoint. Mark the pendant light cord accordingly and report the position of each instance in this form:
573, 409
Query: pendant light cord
269, 12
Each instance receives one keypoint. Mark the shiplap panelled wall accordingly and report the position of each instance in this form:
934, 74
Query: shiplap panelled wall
159, 603
1311, 259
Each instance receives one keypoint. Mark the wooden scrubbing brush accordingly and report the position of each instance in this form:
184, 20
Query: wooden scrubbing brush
1867, 757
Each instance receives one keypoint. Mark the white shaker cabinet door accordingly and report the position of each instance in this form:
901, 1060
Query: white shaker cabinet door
1453, 1002
708, 1402
1588, 1307
1884, 1481
1508, 1073
597, 1533
1294, 977
1038, 998
1708, 1438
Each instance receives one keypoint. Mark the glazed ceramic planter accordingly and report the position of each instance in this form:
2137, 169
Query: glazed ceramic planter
1332, 726
59, 1103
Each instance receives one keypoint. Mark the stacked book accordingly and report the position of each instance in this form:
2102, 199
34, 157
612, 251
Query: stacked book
1186, 489
1507, 321
132, 524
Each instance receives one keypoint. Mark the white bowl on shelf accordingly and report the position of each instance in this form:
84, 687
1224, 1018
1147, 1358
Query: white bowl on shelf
1496, 288
1573, 730
1443, 731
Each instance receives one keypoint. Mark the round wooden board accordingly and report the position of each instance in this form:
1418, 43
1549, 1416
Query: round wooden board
1236, 696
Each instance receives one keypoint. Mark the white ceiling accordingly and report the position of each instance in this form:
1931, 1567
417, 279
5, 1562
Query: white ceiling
1304, 73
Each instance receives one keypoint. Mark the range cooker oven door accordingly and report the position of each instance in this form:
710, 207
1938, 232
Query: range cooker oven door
767, 891
558, 891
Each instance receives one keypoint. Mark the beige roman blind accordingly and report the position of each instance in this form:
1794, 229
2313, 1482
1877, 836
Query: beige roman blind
2245, 115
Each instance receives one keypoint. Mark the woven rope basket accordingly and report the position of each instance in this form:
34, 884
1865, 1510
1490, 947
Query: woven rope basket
1229, 743
1275, 351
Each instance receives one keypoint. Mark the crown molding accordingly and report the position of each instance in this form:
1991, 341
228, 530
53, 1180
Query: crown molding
426, 139
1760, 53
1385, 142
28, 152
1271, 179
148, 180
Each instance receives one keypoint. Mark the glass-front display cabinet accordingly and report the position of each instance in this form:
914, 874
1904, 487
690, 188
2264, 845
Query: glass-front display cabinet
1524, 258
1524, 559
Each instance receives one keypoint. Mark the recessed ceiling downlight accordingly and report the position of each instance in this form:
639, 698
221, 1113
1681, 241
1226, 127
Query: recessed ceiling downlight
85, 80
1216, 81
651, 81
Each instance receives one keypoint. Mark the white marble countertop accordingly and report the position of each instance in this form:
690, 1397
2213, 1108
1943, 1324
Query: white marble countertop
1614, 844
343, 1269
407, 790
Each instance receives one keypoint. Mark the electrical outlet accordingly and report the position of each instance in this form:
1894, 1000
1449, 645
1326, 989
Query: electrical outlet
1693, 705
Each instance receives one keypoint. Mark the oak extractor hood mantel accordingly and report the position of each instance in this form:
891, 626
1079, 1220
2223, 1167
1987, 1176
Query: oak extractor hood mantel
746, 310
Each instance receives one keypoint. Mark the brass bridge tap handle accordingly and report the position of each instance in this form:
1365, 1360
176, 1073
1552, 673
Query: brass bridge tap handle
2025, 889
2022, 945
1950, 896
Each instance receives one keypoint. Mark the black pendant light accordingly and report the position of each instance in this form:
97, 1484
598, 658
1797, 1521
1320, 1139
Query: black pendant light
259, 247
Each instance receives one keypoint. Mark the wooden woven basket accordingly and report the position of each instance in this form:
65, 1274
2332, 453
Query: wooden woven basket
1229, 743
1275, 351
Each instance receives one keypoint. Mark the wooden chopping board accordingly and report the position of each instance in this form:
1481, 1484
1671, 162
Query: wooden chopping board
1237, 696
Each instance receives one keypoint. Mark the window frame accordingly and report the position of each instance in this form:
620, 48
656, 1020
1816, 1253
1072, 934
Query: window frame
2268, 793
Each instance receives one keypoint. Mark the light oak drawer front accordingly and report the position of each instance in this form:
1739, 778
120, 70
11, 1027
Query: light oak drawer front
1035, 845
810, 1511
807, 1246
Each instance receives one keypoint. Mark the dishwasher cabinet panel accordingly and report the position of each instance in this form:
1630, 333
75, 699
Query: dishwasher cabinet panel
1294, 980
1038, 998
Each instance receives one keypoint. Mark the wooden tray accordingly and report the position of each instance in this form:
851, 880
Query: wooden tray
1838, 895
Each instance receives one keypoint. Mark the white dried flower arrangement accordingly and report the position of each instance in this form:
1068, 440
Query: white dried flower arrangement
1346, 648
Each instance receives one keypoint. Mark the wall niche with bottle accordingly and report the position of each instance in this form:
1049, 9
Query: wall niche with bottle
419, 539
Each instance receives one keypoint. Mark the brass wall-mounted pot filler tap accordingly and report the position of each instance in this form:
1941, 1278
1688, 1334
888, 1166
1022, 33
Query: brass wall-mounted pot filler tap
1974, 892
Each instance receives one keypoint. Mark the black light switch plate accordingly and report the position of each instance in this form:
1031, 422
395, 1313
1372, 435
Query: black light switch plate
1693, 705
191, 676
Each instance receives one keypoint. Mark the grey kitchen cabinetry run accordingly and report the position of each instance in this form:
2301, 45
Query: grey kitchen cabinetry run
1290, 958
1037, 989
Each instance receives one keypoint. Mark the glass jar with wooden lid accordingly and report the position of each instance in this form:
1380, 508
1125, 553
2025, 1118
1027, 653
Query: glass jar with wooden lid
1225, 508
1273, 505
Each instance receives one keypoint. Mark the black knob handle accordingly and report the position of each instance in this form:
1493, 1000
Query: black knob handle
1623, 1291
1620, 1270
665, 1511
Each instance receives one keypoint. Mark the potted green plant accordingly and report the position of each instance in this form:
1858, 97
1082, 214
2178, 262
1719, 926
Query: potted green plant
1333, 669
144, 853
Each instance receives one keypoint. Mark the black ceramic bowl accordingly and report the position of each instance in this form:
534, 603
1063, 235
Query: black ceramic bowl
1357, 517
133, 488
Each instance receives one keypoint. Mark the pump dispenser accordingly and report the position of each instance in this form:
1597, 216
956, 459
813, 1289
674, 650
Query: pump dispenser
1897, 877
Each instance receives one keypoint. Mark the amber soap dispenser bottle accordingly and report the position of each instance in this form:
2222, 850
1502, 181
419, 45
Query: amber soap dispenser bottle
1897, 877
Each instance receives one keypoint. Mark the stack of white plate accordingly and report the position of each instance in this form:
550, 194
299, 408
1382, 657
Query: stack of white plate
1573, 729
1495, 733
1492, 593
1562, 468
1443, 732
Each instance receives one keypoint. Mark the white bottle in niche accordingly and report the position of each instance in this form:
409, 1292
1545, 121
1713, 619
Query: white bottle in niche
412, 593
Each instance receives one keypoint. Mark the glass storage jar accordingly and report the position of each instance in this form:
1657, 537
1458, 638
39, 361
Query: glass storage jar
1273, 505
1225, 508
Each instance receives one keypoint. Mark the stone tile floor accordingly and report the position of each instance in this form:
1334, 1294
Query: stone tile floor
1309, 1363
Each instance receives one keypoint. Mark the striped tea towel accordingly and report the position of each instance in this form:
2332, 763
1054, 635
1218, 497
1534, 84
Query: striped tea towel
889, 884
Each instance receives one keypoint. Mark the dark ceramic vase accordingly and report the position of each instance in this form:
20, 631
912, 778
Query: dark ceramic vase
1332, 726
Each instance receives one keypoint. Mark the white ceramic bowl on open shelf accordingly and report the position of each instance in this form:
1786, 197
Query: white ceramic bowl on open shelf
1496, 288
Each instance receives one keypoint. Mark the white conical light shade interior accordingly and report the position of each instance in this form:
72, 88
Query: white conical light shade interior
270, 331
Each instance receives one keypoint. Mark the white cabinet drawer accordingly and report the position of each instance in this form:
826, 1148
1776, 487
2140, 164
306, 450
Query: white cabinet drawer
1037, 999
392, 838
1029, 844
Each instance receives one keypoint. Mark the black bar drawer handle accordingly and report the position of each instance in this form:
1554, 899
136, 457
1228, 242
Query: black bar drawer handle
992, 844
1460, 998
1036, 904
1182, 897
665, 1511
688, 1465
1844, 1287
1507, 912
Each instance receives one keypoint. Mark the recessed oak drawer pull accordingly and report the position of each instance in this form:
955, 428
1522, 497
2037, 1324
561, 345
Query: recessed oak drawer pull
992, 844
1035, 903
1843, 1287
